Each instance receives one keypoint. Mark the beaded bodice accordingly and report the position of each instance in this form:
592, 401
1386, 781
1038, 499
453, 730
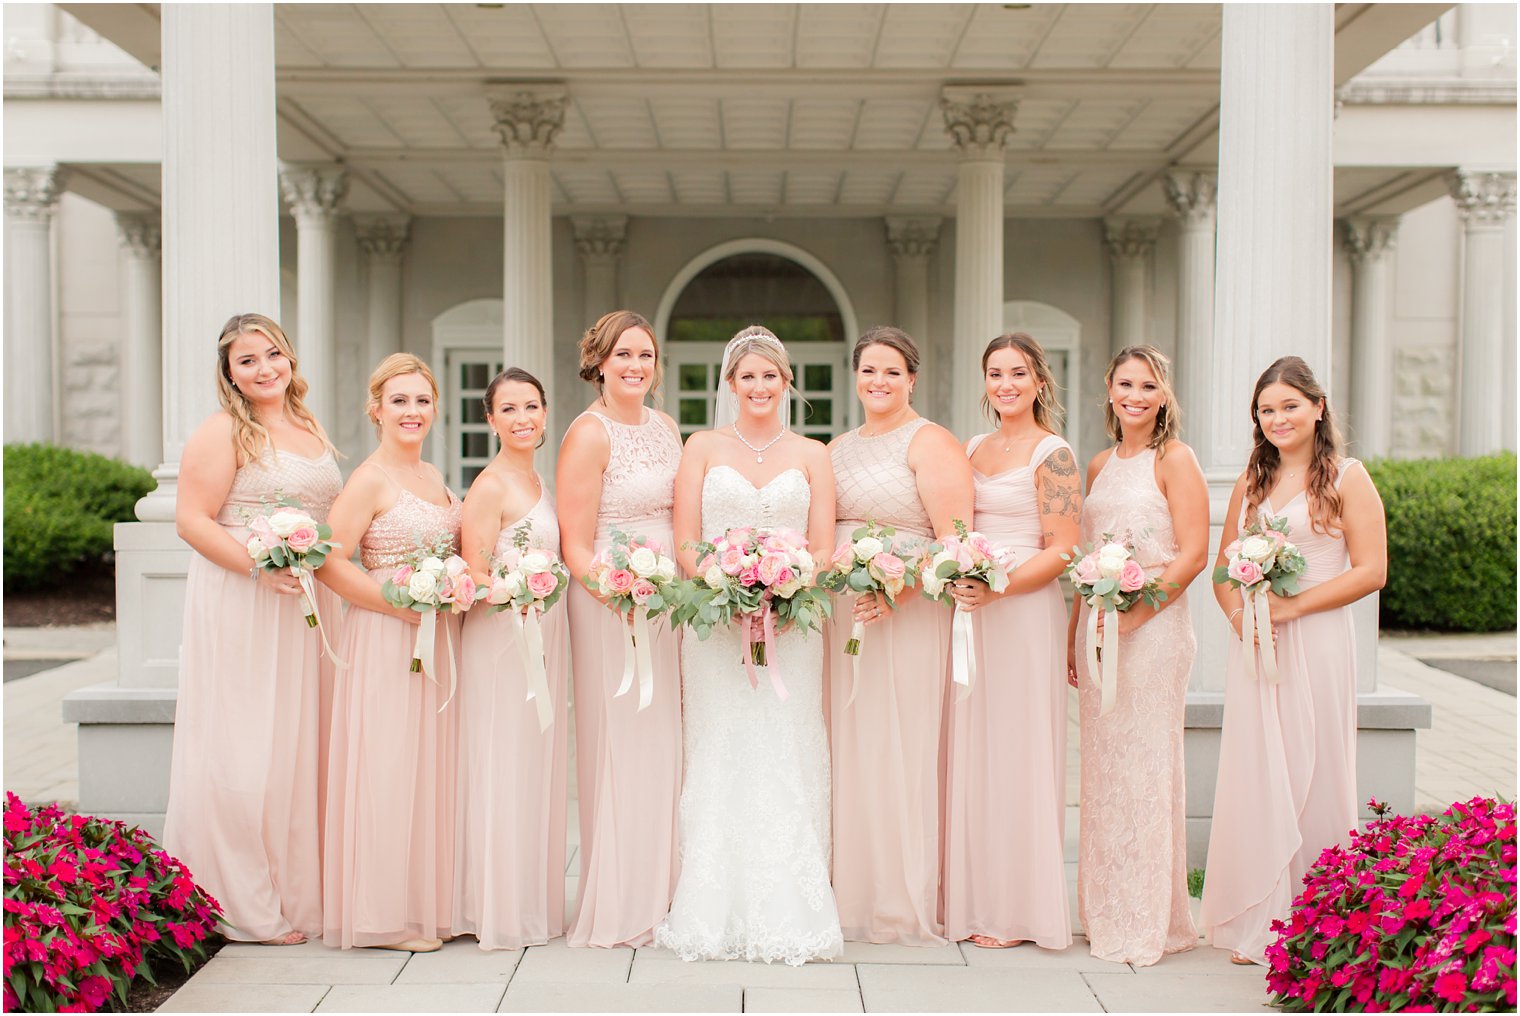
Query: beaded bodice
1007, 503
399, 530
313, 482
872, 480
639, 483
543, 527
1126, 503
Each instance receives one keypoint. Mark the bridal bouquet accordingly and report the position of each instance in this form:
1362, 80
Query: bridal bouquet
1262, 560
967, 554
525, 582
284, 536
1111, 581
638, 580
433, 580
866, 564
757, 577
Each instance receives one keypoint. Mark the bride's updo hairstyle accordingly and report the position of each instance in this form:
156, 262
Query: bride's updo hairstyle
1265, 462
601, 339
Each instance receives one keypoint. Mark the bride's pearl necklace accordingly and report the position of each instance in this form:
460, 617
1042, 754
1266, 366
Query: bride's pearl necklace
759, 452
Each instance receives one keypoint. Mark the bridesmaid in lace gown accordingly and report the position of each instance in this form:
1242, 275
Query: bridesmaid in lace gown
617, 471
1287, 755
903, 471
243, 783
509, 876
388, 866
1005, 810
1132, 856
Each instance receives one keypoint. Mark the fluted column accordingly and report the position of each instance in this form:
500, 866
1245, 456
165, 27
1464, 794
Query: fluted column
382, 243
528, 120
313, 193
142, 370
1369, 242
913, 242
1131, 244
1485, 202
978, 121
1190, 196
600, 240
31, 195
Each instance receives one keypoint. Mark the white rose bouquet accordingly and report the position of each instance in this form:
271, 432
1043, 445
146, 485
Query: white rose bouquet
1112, 581
433, 580
638, 580
1262, 560
868, 562
285, 536
967, 554
525, 582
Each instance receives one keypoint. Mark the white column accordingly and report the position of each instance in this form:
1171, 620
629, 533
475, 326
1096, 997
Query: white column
600, 240
30, 197
1190, 196
382, 241
979, 121
1485, 201
313, 193
142, 318
913, 242
1131, 244
1369, 242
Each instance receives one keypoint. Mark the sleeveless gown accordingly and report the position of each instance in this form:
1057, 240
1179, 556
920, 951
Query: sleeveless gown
887, 749
1005, 809
388, 870
1132, 869
1287, 757
755, 805
244, 777
628, 763
509, 877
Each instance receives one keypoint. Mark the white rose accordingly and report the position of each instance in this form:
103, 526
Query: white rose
499, 592
643, 562
667, 569
431, 565
515, 584
455, 566
787, 591
1256, 548
256, 549
1111, 558
804, 561
535, 561
423, 584
867, 548
933, 584
715, 577
285, 522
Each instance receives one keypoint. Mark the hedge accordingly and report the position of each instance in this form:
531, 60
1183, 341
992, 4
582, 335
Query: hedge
1451, 542
60, 506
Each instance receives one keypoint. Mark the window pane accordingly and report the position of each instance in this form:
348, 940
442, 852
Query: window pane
823, 412
473, 375
472, 409
469, 474
693, 413
817, 377
475, 445
693, 377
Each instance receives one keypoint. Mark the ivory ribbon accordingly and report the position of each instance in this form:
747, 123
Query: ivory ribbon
962, 653
1109, 656
637, 661
309, 603
1256, 620
765, 620
530, 644
426, 648
857, 634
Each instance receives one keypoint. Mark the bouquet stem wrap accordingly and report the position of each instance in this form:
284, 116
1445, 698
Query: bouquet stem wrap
1256, 621
1106, 659
426, 648
764, 637
963, 653
852, 649
530, 642
309, 605
636, 660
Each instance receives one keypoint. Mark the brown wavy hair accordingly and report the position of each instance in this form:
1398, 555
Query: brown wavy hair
248, 433
601, 339
1048, 412
1168, 417
396, 365
1265, 462
520, 376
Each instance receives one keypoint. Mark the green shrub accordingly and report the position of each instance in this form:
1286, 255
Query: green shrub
1451, 542
60, 505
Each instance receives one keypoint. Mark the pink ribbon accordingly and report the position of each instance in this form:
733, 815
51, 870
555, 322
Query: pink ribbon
764, 620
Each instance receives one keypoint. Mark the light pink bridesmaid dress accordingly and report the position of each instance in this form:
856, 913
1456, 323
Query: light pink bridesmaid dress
887, 745
509, 879
1287, 757
1132, 857
628, 763
243, 782
388, 866
1005, 808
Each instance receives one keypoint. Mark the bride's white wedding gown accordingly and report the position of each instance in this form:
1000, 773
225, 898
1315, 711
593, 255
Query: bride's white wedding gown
754, 817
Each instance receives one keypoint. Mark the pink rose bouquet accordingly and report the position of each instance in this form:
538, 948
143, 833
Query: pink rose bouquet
1111, 581
525, 582
284, 536
638, 580
433, 580
967, 554
873, 560
1262, 560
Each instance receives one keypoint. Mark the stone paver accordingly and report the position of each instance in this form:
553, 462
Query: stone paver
802, 1000
557, 963
1032, 958
970, 989
870, 952
747, 975
562, 997
1164, 992
413, 998
208, 996
358, 966
462, 961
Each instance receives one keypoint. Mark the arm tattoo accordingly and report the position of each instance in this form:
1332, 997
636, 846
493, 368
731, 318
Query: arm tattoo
1058, 489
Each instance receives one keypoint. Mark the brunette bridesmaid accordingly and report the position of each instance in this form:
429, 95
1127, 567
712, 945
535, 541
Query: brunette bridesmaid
900, 470
617, 471
1132, 854
1005, 814
243, 784
1287, 757
509, 879
389, 861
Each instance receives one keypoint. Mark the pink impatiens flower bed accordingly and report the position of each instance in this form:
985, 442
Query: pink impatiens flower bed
1416, 915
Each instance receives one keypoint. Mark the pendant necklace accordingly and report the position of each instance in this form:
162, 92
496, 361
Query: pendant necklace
759, 452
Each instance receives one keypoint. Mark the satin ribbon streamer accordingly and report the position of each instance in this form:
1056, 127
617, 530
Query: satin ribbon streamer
637, 661
1109, 657
764, 620
530, 643
962, 655
1257, 620
309, 601
857, 635
426, 649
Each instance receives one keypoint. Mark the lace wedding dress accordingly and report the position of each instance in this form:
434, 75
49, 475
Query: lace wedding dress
754, 879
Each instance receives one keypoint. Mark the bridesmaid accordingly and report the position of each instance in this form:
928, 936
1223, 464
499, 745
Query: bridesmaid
617, 471
1287, 759
1005, 813
388, 868
1148, 489
509, 876
900, 470
243, 783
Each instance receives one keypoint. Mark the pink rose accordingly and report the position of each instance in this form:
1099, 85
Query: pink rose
642, 590
738, 537
1132, 578
1275, 537
303, 539
403, 575
541, 584
464, 590
774, 545
843, 556
620, 580
890, 565
982, 545
1087, 571
770, 568
750, 576
1247, 573
264, 530
785, 575
963, 557
1232, 549
731, 560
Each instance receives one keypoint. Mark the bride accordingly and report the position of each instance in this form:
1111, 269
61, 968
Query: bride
754, 816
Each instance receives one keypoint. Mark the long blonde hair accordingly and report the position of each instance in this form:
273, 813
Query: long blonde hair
251, 436
1168, 417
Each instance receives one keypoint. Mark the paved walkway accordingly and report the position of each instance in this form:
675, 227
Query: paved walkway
1469, 750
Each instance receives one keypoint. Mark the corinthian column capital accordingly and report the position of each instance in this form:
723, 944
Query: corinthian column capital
141, 233
528, 119
1130, 238
600, 238
1370, 237
978, 119
1191, 197
313, 192
382, 237
1483, 199
912, 239
31, 193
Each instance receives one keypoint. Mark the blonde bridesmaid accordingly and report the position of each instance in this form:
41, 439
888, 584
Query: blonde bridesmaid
509, 879
244, 779
617, 471
903, 471
389, 861
1005, 811
1287, 756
